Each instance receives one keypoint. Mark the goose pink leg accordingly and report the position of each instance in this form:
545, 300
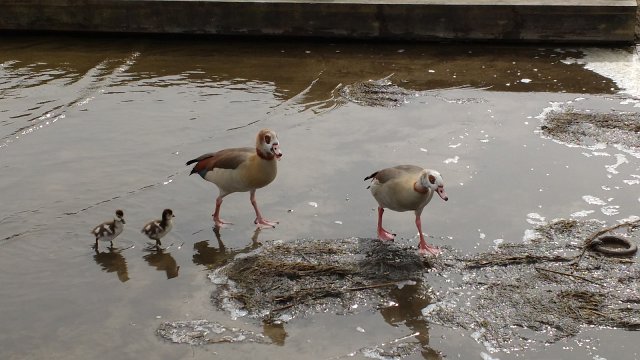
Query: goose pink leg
216, 214
382, 233
260, 221
424, 248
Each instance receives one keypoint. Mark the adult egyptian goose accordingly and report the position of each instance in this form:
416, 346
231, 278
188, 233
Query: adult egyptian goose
404, 188
109, 230
156, 229
241, 170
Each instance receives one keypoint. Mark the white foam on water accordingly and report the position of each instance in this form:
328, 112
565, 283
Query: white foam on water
633, 152
610, 210
452, 160
593, 200
529, 235
553, 106
631, 218
486, 356
620, 65
536, 219
620, 159
428, 309
401, 284
583, 213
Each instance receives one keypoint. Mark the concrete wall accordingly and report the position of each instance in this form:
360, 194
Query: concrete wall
514, 20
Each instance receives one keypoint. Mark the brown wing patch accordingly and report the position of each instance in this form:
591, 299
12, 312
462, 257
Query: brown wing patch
232, 158
223, 159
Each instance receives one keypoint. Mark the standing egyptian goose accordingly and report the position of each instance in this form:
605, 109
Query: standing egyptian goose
156, 229
241, 170
404, 188
109, 230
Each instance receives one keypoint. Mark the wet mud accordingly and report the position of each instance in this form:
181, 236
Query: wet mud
285, 280
527, 295
586, 128
517, 296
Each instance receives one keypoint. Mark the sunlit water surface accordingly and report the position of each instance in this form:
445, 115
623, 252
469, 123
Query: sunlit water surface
90, 125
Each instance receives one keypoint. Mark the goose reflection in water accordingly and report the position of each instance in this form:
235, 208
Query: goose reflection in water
410, 300
162, 261
212, 257
112, 261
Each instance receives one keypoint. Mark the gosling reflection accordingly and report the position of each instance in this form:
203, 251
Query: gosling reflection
275, 332
212, 257
411, 300
162, 261
112, 261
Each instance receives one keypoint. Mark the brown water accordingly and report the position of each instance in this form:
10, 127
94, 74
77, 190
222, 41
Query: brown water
90, 125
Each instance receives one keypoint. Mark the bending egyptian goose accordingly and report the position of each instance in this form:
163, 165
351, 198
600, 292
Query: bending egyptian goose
156, 229
109, 230
404, 188
241, 170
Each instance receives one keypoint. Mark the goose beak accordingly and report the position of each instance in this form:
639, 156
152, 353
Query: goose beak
275, 149
442, 194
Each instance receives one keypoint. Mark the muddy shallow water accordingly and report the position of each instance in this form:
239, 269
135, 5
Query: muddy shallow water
91, 125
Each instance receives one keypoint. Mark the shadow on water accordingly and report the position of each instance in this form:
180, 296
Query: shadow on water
162, 261
213, 257
112, 261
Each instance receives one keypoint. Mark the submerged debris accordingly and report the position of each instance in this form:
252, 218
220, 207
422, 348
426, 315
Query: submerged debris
585, 128
520, 295
540, 291
201, 332
308, 276
377, 93
383, 93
